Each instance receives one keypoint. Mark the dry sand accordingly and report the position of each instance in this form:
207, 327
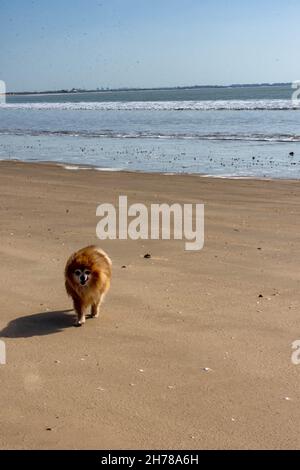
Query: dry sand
135, 377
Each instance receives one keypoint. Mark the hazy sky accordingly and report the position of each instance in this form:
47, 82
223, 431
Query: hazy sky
147, 43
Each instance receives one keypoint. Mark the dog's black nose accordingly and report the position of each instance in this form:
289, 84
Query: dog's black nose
82, 279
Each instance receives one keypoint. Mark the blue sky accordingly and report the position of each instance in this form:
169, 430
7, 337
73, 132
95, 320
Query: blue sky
147, 43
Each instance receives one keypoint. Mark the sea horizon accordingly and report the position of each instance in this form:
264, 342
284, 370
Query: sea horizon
143, 88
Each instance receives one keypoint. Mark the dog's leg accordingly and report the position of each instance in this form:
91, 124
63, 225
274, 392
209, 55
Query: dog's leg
96, 307
79, 309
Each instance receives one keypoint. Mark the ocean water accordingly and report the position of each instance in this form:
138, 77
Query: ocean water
235, 131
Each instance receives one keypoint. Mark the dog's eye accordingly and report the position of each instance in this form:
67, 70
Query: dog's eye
77, 272
87, 272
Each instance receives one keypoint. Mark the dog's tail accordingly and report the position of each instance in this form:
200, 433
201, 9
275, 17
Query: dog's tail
104, 255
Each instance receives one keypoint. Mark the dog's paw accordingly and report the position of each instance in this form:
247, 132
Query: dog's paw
95, 315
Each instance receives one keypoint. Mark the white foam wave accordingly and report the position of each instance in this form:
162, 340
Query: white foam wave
160, 105
107, 133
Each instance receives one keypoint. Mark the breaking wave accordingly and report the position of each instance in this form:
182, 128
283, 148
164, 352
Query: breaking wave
107, 133
218, 105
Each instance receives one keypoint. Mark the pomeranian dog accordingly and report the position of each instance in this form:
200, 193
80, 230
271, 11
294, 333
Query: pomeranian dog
87, 280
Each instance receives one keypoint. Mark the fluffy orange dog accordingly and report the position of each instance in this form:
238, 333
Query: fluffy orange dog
87, 279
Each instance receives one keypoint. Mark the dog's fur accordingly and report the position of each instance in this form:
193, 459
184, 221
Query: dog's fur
87, 280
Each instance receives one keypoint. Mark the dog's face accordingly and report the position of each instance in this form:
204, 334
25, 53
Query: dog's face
82, 276
86, 272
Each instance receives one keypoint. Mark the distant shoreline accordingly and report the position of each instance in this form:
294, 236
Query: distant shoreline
109, 90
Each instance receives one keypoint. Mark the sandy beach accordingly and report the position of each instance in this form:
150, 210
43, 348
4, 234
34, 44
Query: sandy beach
192, 349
